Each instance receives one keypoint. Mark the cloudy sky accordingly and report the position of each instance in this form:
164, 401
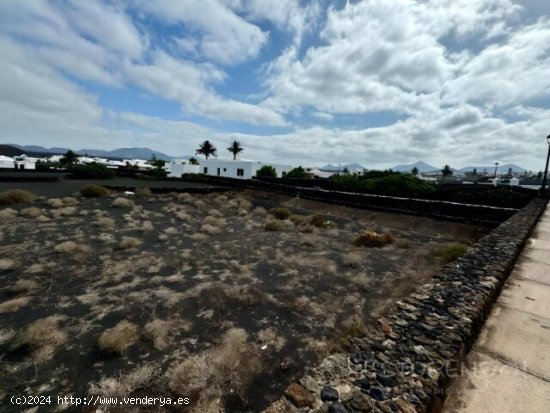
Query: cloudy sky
379, 82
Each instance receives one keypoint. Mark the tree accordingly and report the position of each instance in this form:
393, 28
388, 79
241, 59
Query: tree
474, 172
158, 165
299, 173
235, 149
267, 171
510, 172
193, 161
69, 159
414, 171
207, 149
539, 175
446, 171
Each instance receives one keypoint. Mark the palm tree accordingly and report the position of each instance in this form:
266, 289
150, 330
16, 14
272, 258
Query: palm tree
207, 149
235, 149
70, 158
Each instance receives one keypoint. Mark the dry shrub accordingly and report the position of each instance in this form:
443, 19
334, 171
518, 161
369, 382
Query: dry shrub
214, 221
215, 213
186, 197
171, 231
23, 286
106, 238
70, 201
298, 219
362, 281
13, 305
6, 335
122, 203
352, 259
6, 264
119, 338
226, 368
43, 218
7, 214
268, 336
143, 191
373, 239
159, 332
273, 226
354, 326
16, 196
31, 212
125, 384
55, 202
319, 221
243, 203
94, 191
280, 213
106, 223
147, 226
211, 230
129, 242
71, 247
64, 212
42, 336
183, 216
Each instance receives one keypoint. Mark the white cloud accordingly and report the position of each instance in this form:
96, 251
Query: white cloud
223, 36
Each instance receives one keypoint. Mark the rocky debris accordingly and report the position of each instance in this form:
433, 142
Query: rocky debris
299, 395
408, 358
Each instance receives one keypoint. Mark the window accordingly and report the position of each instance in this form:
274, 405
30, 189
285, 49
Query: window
240, 172
205, 170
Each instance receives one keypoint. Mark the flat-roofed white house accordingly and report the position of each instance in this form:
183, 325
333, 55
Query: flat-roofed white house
239, 169
6, 162
179, 167
25, 162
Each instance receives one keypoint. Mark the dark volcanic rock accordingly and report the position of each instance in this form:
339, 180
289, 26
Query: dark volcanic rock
328, 394
337, 408
378, 393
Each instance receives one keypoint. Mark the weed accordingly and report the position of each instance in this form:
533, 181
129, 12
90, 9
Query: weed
373, 239
129, 242
452, 251
122, 203
119, 338
94, 191
273, 226
280, 212
16, 196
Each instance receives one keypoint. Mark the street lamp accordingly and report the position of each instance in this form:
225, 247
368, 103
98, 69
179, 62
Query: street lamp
543, 186
496, 167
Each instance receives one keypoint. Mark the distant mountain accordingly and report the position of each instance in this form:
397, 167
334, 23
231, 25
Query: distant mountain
502, 169
421, 166
12, 149
335, 168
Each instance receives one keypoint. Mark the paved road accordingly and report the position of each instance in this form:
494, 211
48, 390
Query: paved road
508, 370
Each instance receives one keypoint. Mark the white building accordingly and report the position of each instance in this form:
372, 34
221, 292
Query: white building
6, 162
179, 167
239, 169
24, 162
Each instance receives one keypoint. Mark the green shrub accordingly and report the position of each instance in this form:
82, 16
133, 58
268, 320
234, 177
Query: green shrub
319, 221
16, 196
382, 183
143, 191
91, 170
267, 171
452, 251
94, 191
280, 213
297, 173
373, 239
273, 226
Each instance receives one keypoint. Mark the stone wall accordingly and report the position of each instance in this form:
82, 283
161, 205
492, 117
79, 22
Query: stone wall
407, 360
437, 209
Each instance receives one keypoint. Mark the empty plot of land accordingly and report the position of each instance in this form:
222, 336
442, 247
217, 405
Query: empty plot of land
221, 298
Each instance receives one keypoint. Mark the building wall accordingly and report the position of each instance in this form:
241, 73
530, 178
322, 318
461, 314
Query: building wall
236, 169
178, 168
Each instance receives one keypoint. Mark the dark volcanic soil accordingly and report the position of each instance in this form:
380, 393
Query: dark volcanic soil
210, 302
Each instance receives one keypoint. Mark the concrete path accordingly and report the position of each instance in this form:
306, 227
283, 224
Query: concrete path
508, 370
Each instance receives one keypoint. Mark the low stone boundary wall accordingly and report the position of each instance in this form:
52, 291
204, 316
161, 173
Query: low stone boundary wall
408, 358
444, 210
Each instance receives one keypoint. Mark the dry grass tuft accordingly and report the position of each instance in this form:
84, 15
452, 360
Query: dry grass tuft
23, 286
373, 239
7, 214
31, 212
43, 336
186, 197
211, 230
160, 332
71, 247
143, 191
106, 223
6, 264
119, 338
13, 305
129, 242
453, 251
64, 212
70, 201
147, 226
215, 213
353, 259
122, 203
16, 196
106, 238
55, 202
214, 221
125, 384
